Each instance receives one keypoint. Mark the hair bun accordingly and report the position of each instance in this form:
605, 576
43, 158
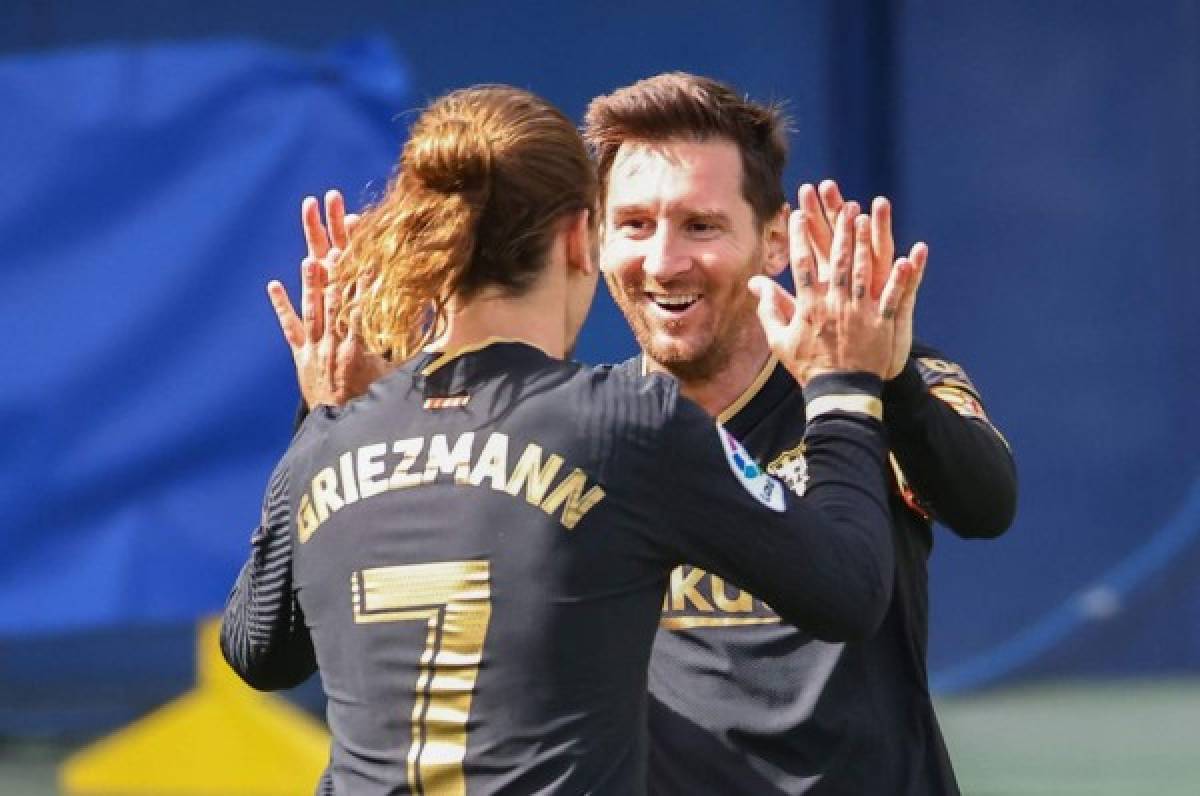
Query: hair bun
452, 156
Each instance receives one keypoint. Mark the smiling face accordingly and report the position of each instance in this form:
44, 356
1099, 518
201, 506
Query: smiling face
680, 241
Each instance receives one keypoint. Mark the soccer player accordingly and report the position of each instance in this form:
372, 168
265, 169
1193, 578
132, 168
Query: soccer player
474, 553
743, 700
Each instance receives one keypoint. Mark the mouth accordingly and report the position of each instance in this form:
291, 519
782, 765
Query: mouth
673, 305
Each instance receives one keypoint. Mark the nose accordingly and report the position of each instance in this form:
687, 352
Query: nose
664, 258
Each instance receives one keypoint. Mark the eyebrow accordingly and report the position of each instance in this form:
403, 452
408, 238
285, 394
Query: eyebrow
672, 209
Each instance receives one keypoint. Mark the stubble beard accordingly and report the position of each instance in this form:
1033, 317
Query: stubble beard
693, 361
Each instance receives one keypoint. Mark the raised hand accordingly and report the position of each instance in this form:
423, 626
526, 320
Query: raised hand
319, 239
838, 324
902, 342
822, 205
332, 364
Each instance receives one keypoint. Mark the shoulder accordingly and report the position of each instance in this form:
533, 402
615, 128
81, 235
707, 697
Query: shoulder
625, 385
938, 369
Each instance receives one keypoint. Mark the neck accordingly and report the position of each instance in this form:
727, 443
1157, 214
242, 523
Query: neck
535, 317
717, 391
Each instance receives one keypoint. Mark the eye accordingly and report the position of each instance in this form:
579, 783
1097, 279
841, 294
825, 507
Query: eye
703, 228
634, 227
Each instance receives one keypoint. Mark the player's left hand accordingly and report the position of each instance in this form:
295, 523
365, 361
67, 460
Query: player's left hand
838, 325
821, 206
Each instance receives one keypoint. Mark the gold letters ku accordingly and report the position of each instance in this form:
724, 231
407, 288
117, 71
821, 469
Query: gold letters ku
696, 598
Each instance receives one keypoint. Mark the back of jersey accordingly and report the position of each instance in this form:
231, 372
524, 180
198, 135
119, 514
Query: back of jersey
481, 610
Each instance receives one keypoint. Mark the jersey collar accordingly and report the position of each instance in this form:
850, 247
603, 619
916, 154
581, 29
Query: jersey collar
452, 372
772, 385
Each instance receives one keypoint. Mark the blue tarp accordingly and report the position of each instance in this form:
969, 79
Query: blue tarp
149, 195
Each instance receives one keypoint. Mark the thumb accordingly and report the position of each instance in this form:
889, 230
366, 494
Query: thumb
775, 307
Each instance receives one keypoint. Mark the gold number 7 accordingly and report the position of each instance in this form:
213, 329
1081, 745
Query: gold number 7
454, 599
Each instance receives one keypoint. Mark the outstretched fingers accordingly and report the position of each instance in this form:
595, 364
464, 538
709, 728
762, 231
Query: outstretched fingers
882, 243
917, 257
819, 228
841, 260
776, 310
831, 200
335, 217
898, 284
314, 231
860, 275
327, 350
312, 288
289, 322
804, 267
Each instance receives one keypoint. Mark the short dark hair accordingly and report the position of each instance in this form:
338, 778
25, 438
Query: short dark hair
678, 105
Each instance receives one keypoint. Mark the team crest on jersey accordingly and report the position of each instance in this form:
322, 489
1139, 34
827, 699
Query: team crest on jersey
961, 401
791, 468
765, 489
935, 372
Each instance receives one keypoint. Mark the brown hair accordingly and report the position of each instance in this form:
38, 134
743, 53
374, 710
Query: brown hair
485, 176
678, 105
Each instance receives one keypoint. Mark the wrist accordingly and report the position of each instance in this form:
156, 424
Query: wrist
906, 386
852, 392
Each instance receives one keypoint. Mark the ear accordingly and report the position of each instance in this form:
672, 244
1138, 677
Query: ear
775, 242
580, 245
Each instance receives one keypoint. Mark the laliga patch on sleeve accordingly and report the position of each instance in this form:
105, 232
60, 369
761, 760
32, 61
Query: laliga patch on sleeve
765, 489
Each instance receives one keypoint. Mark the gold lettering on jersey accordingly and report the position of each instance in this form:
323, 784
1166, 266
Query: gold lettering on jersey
307, 522
408, 449
453, 600
697, 599
324, 494
370, 467
570, 493
741, 602
349, 482
442, 459
493, 463
684, 591
535, 476
363, 473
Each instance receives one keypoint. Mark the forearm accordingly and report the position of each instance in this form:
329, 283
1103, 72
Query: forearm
825, 563
263, 636
956, 462
847, 561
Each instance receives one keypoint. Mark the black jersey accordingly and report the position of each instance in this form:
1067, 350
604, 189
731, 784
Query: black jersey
477, 552
744, 703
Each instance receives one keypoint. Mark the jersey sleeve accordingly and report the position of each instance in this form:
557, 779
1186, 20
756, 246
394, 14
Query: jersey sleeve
816, 543
263, 634
959, 466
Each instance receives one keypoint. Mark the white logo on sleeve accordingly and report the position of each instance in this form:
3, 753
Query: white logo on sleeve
765, 489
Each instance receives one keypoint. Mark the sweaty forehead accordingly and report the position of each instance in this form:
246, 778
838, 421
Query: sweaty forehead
674, 172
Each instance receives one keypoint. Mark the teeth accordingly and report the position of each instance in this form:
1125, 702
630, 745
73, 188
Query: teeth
676, 301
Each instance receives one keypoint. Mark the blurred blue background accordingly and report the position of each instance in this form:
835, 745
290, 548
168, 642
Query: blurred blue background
155, 153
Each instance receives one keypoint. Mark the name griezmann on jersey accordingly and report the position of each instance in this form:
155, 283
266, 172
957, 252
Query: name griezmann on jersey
380, 467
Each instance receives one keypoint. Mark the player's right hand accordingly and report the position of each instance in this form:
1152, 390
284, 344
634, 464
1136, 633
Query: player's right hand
332, 364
